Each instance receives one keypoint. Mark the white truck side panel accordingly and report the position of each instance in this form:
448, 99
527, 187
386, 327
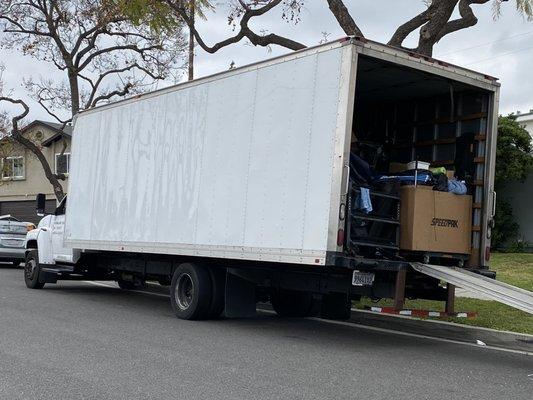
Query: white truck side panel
239, 166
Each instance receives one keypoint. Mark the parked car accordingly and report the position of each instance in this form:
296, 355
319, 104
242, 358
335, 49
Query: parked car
13, 239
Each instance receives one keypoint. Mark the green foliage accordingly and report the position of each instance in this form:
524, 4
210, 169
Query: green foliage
158, 14
514, 162
524, 7
506, 228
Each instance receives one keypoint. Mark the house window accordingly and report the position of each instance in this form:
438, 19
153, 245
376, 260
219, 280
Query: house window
63, 163
13, 168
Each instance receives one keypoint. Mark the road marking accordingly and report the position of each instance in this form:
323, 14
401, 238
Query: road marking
153, 294
351, 324
417, 335
133, 291
102, 284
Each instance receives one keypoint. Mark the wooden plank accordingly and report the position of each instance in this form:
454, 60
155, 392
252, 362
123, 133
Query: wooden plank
477, 182
435, 142
481, 137
399, 290
450, 298
476, 228
479, 160
446, 120
442, 163
477, 206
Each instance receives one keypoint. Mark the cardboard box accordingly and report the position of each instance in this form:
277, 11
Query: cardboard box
434, 221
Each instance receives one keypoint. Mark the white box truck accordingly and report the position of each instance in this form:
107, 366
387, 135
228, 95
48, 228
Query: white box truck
238, 187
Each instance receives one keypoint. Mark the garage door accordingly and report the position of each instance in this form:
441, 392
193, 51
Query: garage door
25, 210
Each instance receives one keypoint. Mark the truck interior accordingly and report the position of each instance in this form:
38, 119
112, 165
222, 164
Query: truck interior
403, 115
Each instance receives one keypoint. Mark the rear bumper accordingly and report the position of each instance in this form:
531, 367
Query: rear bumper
8, 253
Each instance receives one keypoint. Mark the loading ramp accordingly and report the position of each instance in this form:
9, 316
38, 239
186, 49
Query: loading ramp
491, 288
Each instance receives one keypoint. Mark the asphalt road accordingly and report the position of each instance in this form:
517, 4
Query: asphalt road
77, 340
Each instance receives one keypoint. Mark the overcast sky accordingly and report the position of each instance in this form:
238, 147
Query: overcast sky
501, 48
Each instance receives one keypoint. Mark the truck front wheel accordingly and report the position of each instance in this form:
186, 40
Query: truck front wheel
292, 303
32, 270
191, 292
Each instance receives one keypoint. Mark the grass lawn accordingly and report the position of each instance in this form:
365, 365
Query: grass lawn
515, 269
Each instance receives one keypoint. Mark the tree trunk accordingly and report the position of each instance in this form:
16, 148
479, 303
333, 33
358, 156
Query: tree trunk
52, 178
344, 18
74, 91
439, 16
191, 43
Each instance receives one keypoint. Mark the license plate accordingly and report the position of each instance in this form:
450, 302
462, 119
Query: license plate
362, 278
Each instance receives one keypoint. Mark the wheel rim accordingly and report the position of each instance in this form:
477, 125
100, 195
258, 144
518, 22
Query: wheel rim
184, 291
29, 269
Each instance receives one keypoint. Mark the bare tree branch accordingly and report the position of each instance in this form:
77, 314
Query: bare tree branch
27, 143
467, 19
244, 32
344, 18
104, 55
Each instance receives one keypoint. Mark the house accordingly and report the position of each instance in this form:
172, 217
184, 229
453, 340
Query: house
520, 194
22, 174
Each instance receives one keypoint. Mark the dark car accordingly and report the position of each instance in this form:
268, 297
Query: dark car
13, 239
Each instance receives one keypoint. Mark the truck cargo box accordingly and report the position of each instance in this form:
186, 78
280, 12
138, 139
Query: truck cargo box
253, 163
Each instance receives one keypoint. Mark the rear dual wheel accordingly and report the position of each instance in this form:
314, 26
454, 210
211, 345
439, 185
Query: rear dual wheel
292, 303
197, 291
336, 306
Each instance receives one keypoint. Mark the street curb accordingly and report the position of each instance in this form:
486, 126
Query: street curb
445, 330
437, 329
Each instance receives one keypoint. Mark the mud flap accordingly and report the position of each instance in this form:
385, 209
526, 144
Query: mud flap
47, 276
240, 296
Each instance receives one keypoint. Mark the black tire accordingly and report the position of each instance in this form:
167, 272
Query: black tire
292, 303
32, 270
336, 306
218, 283
191, 292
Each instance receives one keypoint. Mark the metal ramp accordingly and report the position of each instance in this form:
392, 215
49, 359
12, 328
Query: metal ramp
499, 291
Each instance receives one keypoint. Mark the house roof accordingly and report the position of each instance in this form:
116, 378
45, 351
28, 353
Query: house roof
53, 126
524, 116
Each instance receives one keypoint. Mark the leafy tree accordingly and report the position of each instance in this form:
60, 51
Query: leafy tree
514, 162
432, 24
103, 55
159, 16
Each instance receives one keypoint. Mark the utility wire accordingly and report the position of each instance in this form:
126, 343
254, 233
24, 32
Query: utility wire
500, 55
486, 44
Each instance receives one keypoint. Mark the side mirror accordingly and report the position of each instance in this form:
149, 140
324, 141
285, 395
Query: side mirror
40, 204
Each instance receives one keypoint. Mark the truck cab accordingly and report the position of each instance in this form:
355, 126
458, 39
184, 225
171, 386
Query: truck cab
45, 243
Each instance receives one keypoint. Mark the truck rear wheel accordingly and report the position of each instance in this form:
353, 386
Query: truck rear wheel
292, 303
32, 270
336, 306
191, 292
